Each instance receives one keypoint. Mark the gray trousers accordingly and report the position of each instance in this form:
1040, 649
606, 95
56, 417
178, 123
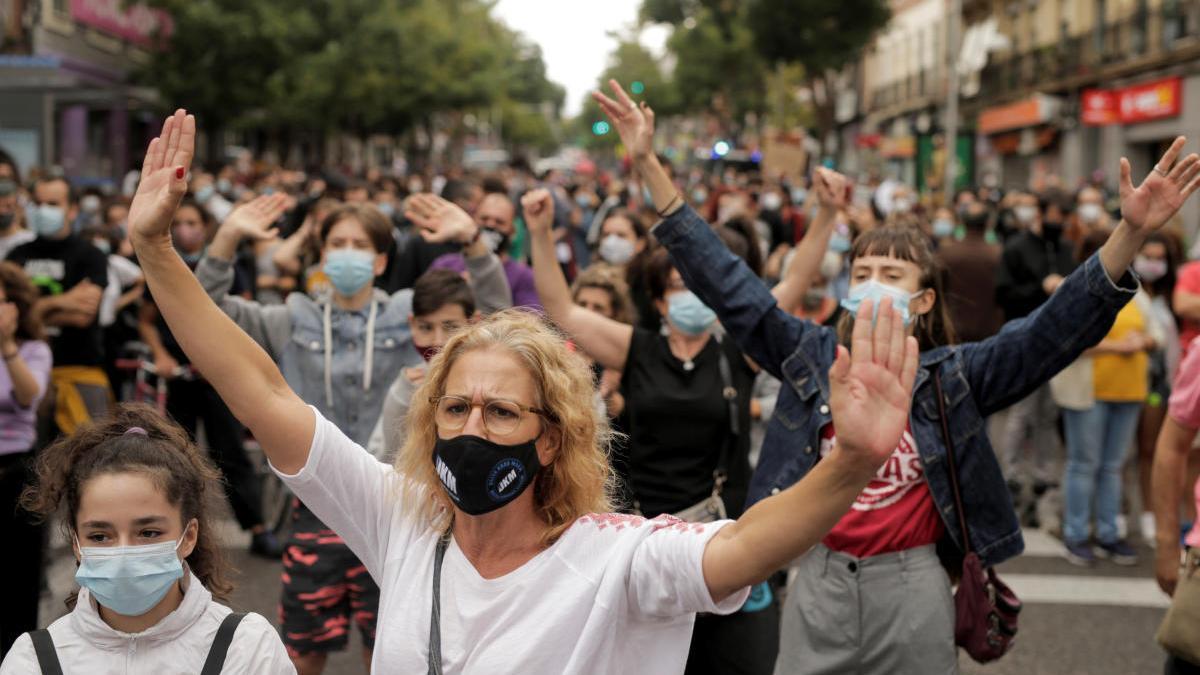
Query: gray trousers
887, 614
1034, 419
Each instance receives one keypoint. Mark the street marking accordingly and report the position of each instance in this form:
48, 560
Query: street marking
1061, 589
1039, 544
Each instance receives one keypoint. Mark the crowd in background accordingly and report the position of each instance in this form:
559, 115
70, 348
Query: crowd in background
76, 320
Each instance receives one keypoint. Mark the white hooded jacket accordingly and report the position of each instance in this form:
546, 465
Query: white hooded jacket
176, 645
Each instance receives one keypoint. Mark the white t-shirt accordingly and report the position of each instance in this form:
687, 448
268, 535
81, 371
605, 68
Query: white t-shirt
615, 594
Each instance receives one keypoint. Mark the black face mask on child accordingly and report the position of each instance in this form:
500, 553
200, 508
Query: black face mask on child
481, 476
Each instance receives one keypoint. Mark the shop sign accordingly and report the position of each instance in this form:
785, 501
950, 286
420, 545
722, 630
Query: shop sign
1100, 107
1155, 100
135, 23
1030, 112
898, 147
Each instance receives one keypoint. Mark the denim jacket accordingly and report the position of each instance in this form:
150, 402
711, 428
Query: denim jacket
978, 379
293, 334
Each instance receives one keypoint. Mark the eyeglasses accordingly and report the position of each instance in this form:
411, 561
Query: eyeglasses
500, 418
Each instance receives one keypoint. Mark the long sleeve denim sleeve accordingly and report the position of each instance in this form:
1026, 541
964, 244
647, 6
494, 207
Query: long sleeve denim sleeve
1027, 352
744, 304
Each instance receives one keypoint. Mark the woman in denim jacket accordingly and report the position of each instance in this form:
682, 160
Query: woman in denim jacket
873, 598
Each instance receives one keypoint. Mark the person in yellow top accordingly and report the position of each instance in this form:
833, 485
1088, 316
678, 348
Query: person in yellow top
1098, 436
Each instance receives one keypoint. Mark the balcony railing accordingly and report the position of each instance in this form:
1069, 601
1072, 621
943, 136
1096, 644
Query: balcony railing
1143, 34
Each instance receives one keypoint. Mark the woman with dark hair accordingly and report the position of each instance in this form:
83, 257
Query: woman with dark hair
23, 380
135, 496
1156, 265
845, 610
687, 414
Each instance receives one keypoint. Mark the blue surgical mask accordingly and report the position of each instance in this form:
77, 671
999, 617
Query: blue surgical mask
943, 227
839, 243
386, 209
129, 580
205, 193
875, 292
349, 269
224, 186
687, 313
46, 220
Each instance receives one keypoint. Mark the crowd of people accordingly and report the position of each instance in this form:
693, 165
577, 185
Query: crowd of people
688, 380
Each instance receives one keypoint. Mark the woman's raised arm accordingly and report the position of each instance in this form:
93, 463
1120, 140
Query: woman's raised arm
242, 373
602, 338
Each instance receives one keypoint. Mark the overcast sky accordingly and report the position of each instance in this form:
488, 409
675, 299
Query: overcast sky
573, 35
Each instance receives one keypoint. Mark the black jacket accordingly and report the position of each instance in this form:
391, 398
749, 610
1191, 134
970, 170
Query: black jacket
1028, 259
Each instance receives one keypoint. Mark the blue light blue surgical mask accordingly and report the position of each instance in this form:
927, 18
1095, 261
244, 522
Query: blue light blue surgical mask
46, 220
839, 243
129, 580
875, 292
687, 313
205, 193
943, 227
349, 269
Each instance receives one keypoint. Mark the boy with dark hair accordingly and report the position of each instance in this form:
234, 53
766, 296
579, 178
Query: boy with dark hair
442, 303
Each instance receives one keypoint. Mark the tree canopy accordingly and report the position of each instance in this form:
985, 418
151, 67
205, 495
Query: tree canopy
361, 66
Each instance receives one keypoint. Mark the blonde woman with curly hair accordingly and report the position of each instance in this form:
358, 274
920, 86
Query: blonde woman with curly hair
489, 537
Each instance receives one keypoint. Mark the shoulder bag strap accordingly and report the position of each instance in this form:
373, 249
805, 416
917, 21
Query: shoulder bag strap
952, 464
435, 619
47, 655
730, 394
220, 646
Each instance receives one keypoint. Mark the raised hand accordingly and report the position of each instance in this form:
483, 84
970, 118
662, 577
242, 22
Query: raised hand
871, 386
438, 220
8, 321
831, 188
163, 182
1150, 205
634, 122
538, 206
256, 218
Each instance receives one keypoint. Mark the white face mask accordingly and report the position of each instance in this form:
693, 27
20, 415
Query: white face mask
616, 250
1090, 213
772, 201
1025, 214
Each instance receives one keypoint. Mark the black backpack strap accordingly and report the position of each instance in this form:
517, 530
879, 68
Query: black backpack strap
47, 655
220, 646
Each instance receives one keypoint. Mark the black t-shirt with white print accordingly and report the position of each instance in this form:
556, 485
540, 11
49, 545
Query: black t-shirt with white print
56, 266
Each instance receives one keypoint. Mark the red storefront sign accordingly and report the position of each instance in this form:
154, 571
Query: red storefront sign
1151, 101
1099, 107
1144, 102
134, 22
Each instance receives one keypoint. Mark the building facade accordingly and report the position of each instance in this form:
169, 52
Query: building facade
1049, 90
65, 83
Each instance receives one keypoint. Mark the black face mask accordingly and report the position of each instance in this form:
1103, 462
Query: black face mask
480, 476
495, 240
6, 219
977, 221
1052, 230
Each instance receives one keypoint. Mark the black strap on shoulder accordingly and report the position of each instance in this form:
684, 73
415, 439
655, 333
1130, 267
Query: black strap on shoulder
434, 657
730, 394
47, 656
951, 464
220, 646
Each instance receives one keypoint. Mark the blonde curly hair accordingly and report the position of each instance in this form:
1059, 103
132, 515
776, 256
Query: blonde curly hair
578, 481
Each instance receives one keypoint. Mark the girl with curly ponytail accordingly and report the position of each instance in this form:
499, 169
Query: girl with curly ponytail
134, 496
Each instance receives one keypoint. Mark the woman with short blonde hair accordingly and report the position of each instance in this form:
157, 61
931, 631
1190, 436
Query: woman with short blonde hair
579, 481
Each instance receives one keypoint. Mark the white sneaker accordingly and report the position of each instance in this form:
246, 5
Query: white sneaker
1148, 528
